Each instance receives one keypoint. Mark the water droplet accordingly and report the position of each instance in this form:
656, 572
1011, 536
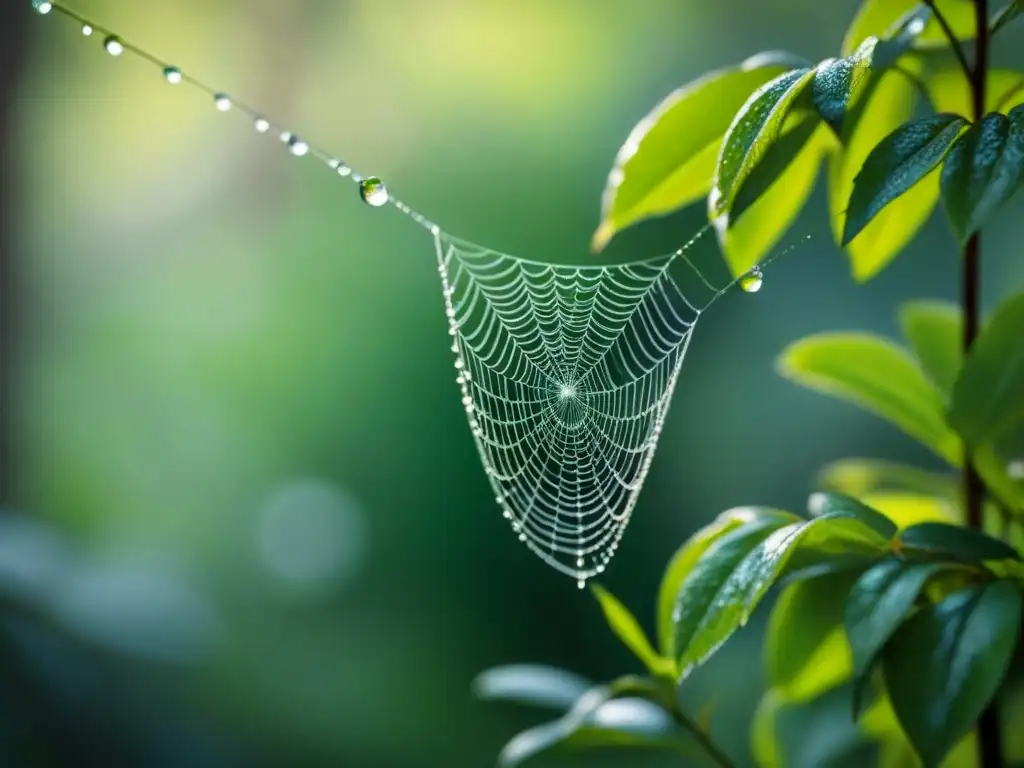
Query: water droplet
172, 75
261, 124
373, 191
581, 584
344, 170
522, 537
297, 146
751, 282
42, 7
87, 30
222, 102
579, 562
286, 136
113, 45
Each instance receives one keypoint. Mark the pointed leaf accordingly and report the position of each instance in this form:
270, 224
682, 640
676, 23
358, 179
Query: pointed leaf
896, 164
837, 82
836, 505
687, 556
723, 590
984, 168
773, 194
877, 375
534, 684
668, 160
956, 542
909, 509
888, 104
880, 17
934, 330
628, 630
753, 130
988, 398
947, 662
858, 477
876, 607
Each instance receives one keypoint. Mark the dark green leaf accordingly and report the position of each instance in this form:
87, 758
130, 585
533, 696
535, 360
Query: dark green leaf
956, 542
806, 653
988, 398
686, 557
877, 375
984, 168
838, 505
734, 574
876, 607
858, 477
889, 102
628, 630
774, 193
902, 159
753, 130
837, 82
934, 330
668, 161
531, 684
1009, 12
947, 662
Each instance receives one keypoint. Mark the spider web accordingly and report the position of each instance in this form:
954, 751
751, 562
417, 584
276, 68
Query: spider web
566, 375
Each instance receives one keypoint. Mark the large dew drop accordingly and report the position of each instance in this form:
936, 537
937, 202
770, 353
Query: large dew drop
752, 281
373, 191
113, 45
172, 75
297, 146
222, 102
41, 7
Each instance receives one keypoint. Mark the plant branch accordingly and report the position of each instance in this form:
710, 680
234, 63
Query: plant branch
664, 691
951, 36
990, 737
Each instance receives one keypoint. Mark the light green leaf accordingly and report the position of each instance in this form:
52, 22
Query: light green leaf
947, 662
668, 160
858, 477
753, 130
876, 607
988, 398
949, 91
897, 163
934, 330
880, 17
908, 509
876, 375
686, 558
628, 630
763, 737
984, 168
889, 104
806, 652
956, 542
534, 684
734, 574
838, 505
773, 194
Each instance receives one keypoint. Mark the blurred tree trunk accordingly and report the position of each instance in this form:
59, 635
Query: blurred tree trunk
14, 17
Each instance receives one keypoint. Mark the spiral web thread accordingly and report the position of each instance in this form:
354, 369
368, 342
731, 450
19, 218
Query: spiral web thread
565, 372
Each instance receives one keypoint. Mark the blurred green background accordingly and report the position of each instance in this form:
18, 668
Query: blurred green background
246, 523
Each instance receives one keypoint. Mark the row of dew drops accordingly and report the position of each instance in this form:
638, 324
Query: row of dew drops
371, 188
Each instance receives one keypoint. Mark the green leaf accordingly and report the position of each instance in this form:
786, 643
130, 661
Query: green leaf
896, 164
858, 477
686, 557
534, 684
947, 662
876, 375
1009, 12
806, 652
668, 160
734, 574
949, 91
956, 542
597, 721
888, 105
837, 83
773, 194
988, 398
838, 505
934, 330
880, 17
876, 607
628, 630
753, 130
984, 168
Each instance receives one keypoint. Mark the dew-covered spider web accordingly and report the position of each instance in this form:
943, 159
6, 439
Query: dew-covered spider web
566, 373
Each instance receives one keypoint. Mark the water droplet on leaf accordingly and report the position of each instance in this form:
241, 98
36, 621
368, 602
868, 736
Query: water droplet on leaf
373, 191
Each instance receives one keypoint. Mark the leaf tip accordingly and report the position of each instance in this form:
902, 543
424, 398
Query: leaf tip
602, 236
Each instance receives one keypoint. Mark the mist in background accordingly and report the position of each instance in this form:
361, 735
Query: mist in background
244, 518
